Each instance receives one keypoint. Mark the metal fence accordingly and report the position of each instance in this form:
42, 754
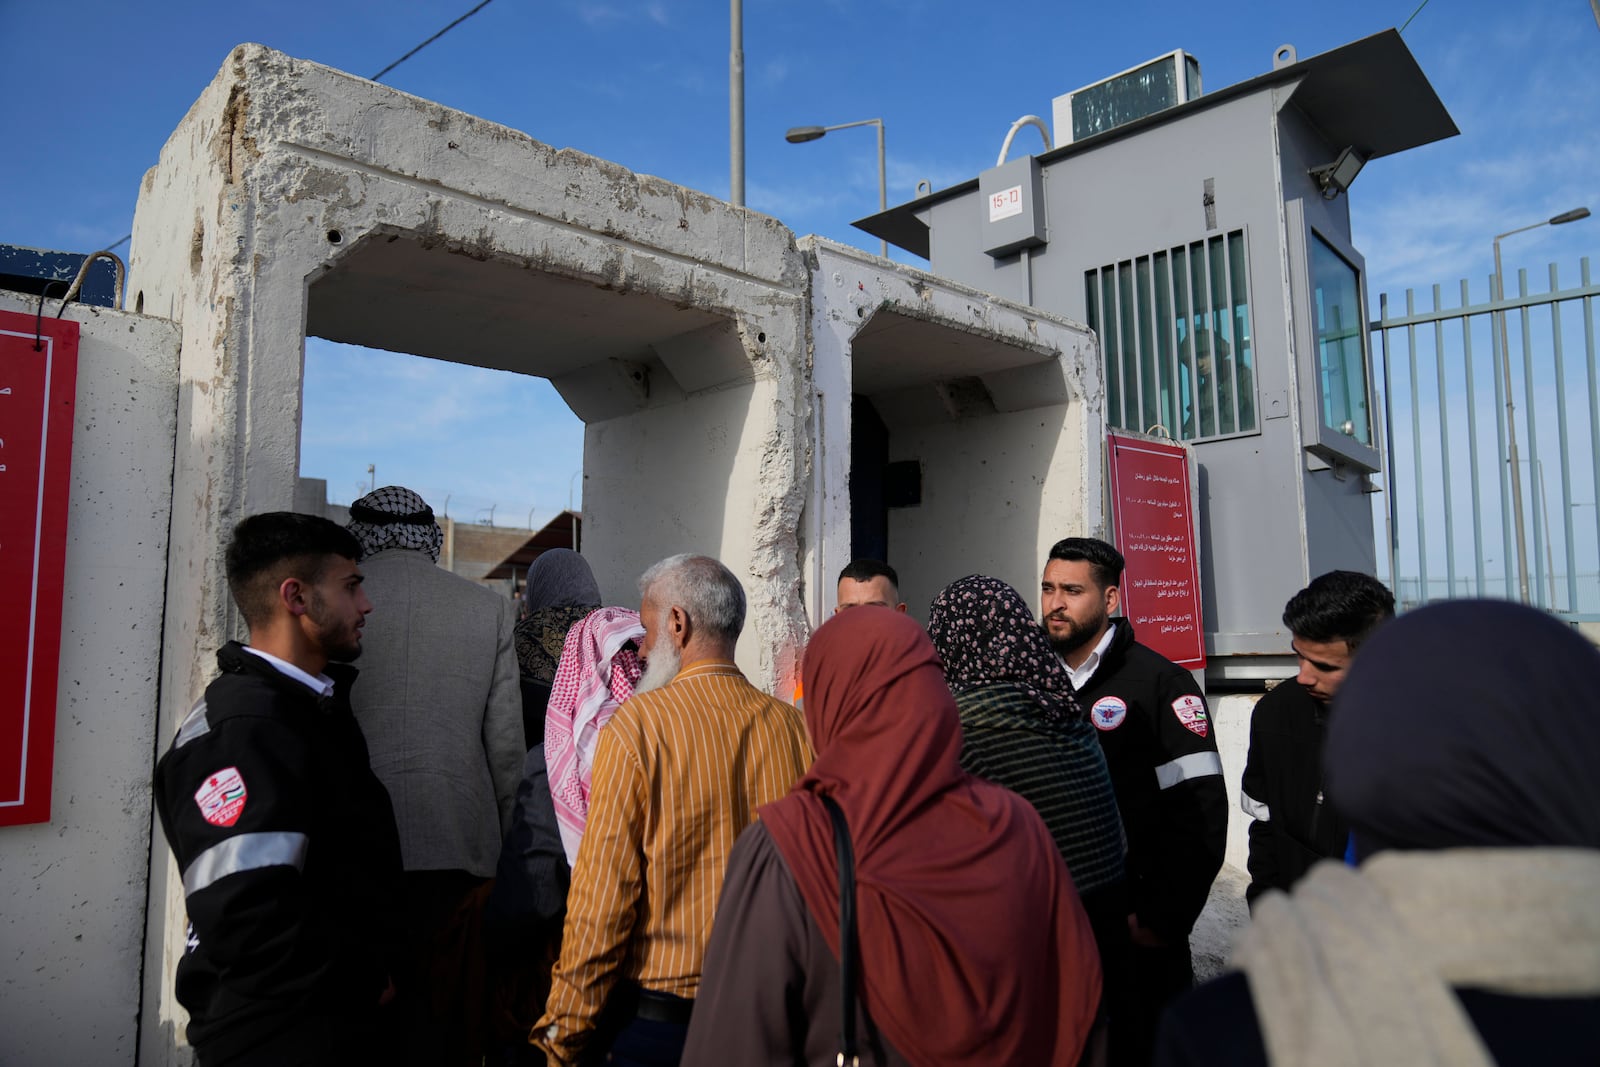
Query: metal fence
1451, 522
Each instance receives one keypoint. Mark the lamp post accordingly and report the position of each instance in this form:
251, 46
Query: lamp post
802, 134
1511, 425
736, 103
372, 474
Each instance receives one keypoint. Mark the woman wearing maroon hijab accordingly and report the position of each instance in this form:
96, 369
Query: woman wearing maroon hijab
972, 947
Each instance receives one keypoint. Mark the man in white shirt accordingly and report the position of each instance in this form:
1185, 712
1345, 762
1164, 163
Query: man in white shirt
1161, 748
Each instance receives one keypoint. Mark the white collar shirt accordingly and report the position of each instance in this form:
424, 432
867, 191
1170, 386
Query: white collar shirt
319, 684
1085, 670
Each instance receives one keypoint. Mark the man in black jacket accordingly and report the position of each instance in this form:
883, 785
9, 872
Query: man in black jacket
1293, 826
285, 839
1161, 748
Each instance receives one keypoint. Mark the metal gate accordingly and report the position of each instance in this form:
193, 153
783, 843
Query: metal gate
1449, 384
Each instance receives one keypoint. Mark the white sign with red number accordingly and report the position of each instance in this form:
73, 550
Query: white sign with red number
222, 797
1005, 203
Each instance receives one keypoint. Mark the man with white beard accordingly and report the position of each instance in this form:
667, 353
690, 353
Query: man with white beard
679, 771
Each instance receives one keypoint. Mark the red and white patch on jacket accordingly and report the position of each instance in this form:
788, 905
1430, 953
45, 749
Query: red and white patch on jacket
1191, 711
221, 798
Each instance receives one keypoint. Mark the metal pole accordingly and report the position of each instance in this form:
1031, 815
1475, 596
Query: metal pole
883, 189
802, 134
1549, 553
1511, 424
736, 105
1511, 430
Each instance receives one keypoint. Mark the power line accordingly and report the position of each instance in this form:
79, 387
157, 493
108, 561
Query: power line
1414, 14
430, 40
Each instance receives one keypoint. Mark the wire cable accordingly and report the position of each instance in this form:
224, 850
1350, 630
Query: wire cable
378, 76
1414, 14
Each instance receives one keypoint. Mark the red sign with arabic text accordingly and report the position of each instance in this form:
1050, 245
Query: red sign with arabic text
38, 383
1152, 511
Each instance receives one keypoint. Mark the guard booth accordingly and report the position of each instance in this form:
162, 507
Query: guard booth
1206, 240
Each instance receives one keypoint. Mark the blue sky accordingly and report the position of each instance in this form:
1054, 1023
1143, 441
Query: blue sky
91, 98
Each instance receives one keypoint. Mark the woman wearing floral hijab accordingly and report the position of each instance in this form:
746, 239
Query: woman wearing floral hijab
1023, 729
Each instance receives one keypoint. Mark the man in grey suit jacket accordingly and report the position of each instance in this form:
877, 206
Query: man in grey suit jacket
441, 708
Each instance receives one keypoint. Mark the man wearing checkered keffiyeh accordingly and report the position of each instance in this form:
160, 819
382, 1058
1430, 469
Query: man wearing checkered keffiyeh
395, 517
441, 708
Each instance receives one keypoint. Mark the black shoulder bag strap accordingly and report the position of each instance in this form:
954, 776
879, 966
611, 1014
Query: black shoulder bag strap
847, 935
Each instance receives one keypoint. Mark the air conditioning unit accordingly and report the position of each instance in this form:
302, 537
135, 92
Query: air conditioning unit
1163, 82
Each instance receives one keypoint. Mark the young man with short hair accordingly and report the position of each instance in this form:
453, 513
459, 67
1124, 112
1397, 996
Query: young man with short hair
869, 583
1292, 824
285, 839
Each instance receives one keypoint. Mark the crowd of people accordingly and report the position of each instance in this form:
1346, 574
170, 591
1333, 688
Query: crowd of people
583, 837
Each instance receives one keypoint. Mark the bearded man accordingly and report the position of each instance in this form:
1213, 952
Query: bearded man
679, 771
1161, 748
285, 838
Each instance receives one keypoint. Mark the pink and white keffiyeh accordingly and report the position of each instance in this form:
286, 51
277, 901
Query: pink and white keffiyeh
597, 672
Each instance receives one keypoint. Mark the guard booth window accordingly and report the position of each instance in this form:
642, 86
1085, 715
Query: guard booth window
1341, 330
1174, 327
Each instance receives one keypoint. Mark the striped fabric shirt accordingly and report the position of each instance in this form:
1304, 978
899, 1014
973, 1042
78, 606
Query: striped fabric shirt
1058, 768
678, 774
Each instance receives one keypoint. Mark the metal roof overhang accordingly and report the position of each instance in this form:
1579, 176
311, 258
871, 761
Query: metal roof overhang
1369, 94
557, 533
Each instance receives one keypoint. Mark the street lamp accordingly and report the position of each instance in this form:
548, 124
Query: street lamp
802, 134
1505, 352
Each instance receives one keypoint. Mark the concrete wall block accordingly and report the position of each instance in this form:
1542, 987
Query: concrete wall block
309, 107
73, 923
998, 488
739, 441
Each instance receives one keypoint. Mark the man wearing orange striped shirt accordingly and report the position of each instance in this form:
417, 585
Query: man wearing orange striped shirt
679, 771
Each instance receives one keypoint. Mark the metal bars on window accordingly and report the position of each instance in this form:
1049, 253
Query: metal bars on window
1448, 463
1175, 331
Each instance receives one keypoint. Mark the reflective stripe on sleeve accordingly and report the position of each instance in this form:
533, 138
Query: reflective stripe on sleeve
195, 724
246, 852
1254, 808
1182, 769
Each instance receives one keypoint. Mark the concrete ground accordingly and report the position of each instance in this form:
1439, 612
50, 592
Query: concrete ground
1224, 916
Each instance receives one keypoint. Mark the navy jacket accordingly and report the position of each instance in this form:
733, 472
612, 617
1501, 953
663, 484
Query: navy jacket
1161, 747
290, 860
